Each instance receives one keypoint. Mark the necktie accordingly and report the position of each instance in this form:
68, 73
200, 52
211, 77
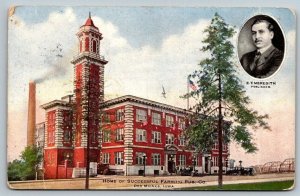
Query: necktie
255, 61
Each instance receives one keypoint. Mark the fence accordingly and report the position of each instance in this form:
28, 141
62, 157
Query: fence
288, 165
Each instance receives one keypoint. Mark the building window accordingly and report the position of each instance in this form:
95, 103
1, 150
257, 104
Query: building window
215, 146
139, 158
156, 159
169, 121
94, 136
156, 137
106, 136
156, 118
67, 118
141, 115
105, 158
94, 46
140, 135
182, 160
119, 115
67, 136
118, 158
181, 123
181, 140
169, 138
106, 118
215, 161
224, 146
224, 161
119, 134
51, 127
87, 41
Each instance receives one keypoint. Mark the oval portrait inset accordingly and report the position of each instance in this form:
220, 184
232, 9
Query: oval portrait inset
261, 46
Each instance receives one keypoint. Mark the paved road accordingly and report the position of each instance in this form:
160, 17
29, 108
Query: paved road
148, 182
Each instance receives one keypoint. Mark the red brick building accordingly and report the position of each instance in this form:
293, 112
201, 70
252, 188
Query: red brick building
123, 132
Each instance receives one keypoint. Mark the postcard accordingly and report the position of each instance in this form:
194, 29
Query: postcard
151, 98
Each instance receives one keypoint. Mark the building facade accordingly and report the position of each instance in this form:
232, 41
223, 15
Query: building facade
131, 134
136, 130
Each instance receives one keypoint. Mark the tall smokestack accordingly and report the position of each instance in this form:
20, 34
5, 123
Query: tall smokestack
31, 115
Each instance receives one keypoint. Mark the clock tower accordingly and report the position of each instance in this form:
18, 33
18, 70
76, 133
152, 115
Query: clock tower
89, 94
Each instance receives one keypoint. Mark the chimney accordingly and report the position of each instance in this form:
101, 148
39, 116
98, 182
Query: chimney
31, 115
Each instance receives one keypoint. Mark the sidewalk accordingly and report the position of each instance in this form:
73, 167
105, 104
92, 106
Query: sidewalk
147, 183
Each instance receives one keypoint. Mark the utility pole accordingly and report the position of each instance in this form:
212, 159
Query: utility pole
220, 135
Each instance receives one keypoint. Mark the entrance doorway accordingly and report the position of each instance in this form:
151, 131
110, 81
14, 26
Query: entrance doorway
171, 164
170, 158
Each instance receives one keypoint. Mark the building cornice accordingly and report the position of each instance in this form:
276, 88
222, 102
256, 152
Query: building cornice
88, 29
89, 57
134, 99
54, 103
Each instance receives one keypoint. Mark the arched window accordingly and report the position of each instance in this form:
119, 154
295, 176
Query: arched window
86, 44
94, 46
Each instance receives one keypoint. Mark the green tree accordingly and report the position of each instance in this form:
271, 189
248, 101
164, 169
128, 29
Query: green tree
222, 107
14, 170
25, 169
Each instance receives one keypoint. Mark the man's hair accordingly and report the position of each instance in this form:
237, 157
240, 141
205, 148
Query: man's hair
263, 20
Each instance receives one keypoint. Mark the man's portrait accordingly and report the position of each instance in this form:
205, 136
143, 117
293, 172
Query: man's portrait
261, 46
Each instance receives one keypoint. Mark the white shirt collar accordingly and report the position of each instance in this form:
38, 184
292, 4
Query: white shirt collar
262, 50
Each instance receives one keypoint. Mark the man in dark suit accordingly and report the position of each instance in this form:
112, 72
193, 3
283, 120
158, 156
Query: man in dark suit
266, 59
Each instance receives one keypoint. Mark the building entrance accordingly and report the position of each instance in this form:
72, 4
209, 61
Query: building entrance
170, 158
171, 164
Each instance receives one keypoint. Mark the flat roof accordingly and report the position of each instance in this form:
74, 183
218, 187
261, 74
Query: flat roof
55, 103
140, 100
122, 99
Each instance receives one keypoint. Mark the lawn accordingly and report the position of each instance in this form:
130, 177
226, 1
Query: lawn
263, 186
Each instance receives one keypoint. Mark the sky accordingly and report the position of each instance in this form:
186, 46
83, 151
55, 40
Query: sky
146, 48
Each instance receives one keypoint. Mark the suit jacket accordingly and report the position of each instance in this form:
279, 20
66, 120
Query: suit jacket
266, 65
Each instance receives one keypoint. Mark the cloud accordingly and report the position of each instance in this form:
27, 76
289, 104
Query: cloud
37, 52
43, 49
148, 68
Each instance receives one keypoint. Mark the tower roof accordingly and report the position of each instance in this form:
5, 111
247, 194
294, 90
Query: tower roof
89, 21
